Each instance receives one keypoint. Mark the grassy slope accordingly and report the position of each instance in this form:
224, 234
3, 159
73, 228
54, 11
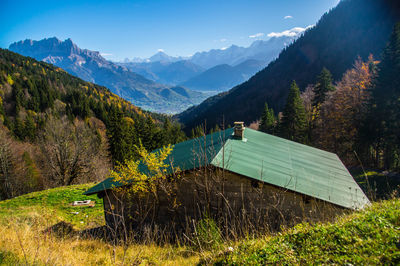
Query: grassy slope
369, 237
22, 241
55, 203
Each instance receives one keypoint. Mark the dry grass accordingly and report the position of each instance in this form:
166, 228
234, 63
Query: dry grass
25, 243
24, 219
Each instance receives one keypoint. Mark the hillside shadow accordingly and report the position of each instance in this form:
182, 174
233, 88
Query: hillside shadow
66, 230
379, 185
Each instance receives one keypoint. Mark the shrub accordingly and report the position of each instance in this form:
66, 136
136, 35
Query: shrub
207, 235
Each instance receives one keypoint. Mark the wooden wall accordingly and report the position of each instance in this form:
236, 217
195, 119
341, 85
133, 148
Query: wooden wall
228, 198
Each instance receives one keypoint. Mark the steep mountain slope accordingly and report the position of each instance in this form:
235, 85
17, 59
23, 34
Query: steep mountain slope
29, 85
91, 66
223, 77
31, 92
354, 28
165, 72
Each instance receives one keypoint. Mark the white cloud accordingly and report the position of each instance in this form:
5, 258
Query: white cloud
287, 17
160, 50
257, 35
289, 33
224, 48
105, 54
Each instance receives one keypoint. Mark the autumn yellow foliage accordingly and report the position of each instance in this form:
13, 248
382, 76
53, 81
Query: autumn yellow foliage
145, 174
10, 80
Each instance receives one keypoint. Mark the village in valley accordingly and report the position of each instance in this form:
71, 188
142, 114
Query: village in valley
280, 149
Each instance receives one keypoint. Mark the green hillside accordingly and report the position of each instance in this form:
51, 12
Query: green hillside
30, 227
369, 237
30, 90
55, 203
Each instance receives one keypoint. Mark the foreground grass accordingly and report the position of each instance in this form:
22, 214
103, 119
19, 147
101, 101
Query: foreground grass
24, 219
27, 245
369, 237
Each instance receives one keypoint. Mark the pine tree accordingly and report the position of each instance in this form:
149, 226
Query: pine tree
6, 168
323, 86
148, 134
177, 134
171, 132
197, 132
215, 129
383, 120
19, 131
30, 128
293, 125
268, 120
120, 137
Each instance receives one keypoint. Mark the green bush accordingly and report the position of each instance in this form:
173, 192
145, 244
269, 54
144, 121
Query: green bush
207, 235
8, 258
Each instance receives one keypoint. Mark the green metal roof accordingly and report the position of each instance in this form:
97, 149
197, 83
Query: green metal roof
293, 166
270, 159
186, 155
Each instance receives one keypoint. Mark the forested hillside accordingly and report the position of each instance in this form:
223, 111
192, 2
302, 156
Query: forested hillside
354, 28
59, 130
357, 117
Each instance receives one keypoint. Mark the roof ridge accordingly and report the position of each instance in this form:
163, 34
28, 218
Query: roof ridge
291, 141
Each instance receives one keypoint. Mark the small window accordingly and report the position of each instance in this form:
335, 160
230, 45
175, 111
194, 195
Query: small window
306, 199
255, 184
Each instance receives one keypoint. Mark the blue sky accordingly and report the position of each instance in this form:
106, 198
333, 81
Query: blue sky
138, 28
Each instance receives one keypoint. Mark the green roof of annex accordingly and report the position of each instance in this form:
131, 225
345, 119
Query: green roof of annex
270, 159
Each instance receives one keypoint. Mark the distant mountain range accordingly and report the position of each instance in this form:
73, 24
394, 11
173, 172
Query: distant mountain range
167, 72
160, 56
234, 55
161, 83
213, 71
91, 66
353, 28
223, 77
261, 50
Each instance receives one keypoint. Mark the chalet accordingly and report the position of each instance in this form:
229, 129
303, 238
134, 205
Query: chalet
245, 174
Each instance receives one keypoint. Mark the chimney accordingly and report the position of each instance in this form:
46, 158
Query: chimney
239, 130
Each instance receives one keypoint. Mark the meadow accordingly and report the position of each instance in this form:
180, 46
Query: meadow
43, 228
